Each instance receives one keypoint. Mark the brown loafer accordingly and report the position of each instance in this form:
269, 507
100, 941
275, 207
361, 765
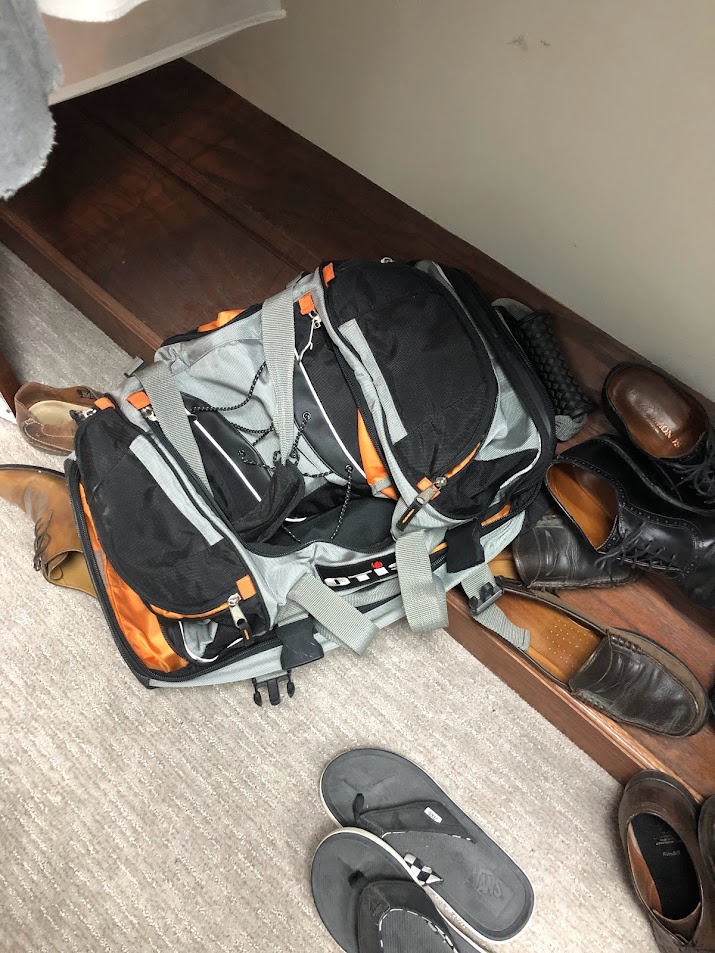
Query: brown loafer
44, 496
43, 415
623, 674
658, 822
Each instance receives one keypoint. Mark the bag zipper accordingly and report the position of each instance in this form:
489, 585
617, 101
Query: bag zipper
462, 315
531, 389
216, 517
139, 669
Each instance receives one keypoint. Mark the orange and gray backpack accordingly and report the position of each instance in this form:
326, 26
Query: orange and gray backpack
290, 478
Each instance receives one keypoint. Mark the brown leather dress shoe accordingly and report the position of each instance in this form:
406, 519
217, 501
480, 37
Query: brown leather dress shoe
668, 427
43, 415
658, 822
44, 496
623, 674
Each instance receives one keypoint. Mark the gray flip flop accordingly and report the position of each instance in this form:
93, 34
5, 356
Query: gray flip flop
477, 885
369, 903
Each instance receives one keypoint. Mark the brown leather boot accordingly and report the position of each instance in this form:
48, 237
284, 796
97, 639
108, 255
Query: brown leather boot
44, 496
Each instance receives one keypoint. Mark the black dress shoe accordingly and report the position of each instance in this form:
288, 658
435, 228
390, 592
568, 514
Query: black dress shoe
628, 519
669, 429
553, 554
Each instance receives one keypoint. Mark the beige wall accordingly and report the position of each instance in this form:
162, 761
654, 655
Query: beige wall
572, 140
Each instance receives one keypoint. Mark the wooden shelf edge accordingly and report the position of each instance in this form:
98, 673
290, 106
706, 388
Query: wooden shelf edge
73, 284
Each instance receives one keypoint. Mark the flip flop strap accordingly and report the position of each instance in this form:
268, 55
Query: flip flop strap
382, 896
429, 816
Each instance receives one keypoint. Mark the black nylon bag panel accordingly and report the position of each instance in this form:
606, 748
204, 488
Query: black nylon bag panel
155, 549
326, 374
431, 357
229, 491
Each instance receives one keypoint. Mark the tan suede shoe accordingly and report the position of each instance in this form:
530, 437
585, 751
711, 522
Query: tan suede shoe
43, 415
44, 496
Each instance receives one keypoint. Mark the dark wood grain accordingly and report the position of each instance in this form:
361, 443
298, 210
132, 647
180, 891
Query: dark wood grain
141, 235
169, 198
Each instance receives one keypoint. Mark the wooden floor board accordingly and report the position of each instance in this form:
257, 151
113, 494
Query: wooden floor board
169, 198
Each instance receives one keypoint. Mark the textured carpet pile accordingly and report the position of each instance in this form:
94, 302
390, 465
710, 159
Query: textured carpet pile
185, 820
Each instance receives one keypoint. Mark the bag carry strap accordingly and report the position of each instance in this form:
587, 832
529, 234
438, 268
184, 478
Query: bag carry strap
278, 331
170, 412
423, 594
482, 591
350, 627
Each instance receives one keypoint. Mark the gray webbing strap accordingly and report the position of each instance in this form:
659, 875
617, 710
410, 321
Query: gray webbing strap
278, 334
423, 593
342, 620
481, 586
168, 406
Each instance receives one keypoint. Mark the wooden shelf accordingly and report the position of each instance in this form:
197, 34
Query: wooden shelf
169, 198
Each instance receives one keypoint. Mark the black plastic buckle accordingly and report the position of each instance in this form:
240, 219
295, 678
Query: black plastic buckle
488, 595
273, 686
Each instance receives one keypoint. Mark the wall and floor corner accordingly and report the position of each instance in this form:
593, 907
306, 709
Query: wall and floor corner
574, 142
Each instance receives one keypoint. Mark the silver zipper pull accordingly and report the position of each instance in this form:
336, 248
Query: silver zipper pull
426, 495
439, 483
234, 607
148, 413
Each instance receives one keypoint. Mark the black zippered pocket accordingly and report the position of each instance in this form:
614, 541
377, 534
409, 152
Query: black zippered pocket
428, 363
523, 378
173, 553
141, 671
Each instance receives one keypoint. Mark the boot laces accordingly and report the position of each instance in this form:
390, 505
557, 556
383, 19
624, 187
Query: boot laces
42, 541
632, 549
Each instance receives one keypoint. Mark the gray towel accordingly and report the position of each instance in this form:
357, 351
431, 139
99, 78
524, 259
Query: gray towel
29, 72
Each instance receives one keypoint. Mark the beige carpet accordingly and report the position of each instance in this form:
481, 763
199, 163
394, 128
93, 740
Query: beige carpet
177, 821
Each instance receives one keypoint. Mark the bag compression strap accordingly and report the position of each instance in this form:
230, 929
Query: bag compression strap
342, 620
423, 593
278, 331
425, 601
168, 406
482, 590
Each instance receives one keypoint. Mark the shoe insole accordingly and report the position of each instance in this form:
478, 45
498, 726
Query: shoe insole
660, 419
590, 501
479, 882
558, 644
662, 860
71, 572
54, 412
353, 869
